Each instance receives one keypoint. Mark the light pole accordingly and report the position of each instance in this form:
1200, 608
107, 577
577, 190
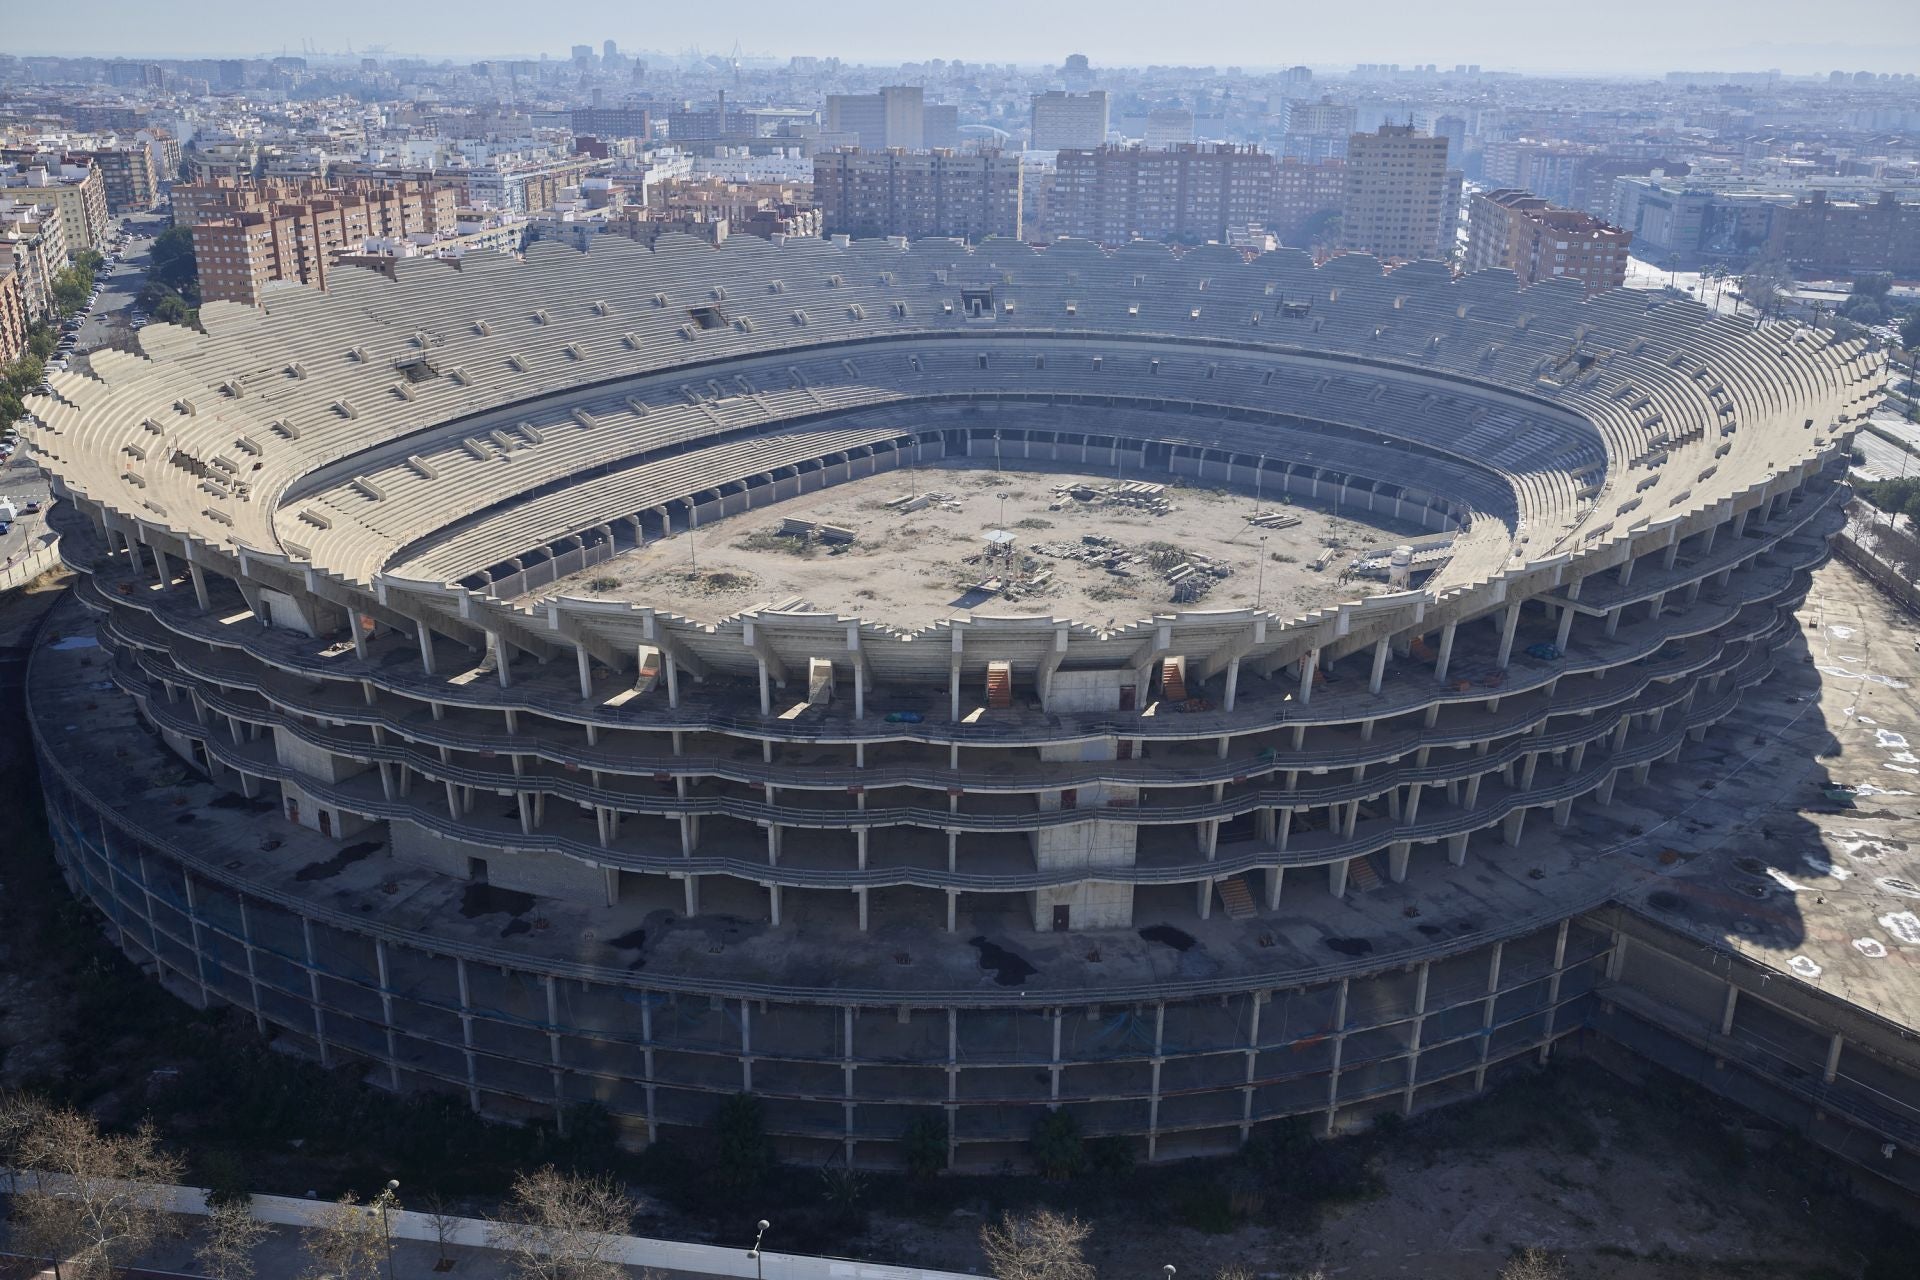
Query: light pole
759, 1266
1260, 573
1167, 1271
386, 1201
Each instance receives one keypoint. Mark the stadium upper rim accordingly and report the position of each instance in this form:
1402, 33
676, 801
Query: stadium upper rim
415, 430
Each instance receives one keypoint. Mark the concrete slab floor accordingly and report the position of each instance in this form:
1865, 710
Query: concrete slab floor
1824, 892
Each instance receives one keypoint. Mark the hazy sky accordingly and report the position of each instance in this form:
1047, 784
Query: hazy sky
1620, 36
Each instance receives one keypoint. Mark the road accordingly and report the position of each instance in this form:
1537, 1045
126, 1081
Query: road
118, 290
1718, 294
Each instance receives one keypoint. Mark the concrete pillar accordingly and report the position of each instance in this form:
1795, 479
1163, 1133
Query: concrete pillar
1513, 825
1563, 813
1397, 854
1308, 662
1380, 650
1553, 986
1566, 627
1727, 1009
586, 672
1604, 793
1613, 622
766, 686
692, 885
502, 662
1446, 652
1233, 683
1274, 877
1508, 625
1457, 849
1834, 1046
426, 648
1337, 878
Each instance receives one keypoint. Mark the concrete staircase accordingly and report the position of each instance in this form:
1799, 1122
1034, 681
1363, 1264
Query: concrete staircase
1173, 680
999, 684
1362, 876
1236, 898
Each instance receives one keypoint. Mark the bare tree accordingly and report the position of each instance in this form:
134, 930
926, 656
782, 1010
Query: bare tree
444, 1222
1042, 1245
562, 1226
346, 1243
98, 1201
232, 1234
20, 1115
1533, 1264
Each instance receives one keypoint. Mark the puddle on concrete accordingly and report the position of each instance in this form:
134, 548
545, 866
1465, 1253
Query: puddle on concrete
340, 861
1349, 946
631, 941
1166, 934
1008, 969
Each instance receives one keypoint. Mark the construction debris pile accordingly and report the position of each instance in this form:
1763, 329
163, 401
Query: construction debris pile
1190, 574
1141, 495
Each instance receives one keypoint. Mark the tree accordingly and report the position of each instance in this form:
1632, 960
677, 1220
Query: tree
1765, 284
232, 1234
348, 1242
20, 1115
1533, 1264
71, 289
1057, 1146
442, 1220
1042, 1245
563, 1226
96, 1201
924, 1144
171, 264
1910, 331
740, 1133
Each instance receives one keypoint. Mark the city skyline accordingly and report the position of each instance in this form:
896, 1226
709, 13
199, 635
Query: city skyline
1502, 36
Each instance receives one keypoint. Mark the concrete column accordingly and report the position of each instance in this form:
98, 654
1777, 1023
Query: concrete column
1508, 625
1604, 793
1457, 849
1446, 652
1153, 1102
1274, 876
1834, 1047
1413, 1041
1308, 662
1337, 878
1566, 627
1727, 1009
1562, 813
1613, 622
766, 687
466, 1036
1233, 683
953, 687
313, 992
1397, 854
1513, 825
1380, 650
502, 662
692, 885
1553, 984
586, 672
1487, 1007
426, 648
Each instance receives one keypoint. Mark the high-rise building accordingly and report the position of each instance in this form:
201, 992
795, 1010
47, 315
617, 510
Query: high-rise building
1317, 130
1538, 241
1169, 127
940, 124
1189, 193
13, 315
1402, 201
611, 122
1307, 197
915, 194
70, 186
1063, 120
893, 117
128, 174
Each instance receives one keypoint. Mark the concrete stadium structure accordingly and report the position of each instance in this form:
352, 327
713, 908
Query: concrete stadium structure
1180, 874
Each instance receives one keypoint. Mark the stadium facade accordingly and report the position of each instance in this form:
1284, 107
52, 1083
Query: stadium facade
1180, 874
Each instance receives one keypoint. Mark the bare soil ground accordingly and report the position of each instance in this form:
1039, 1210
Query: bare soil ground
913, 568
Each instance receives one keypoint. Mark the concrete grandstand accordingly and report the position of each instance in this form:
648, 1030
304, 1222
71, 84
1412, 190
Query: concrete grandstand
483, 799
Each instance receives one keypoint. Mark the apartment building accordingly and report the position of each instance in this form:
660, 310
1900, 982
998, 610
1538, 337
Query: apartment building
415, 205
256, 241
1539, 241
1190, 193
893, 117
128, 175
71, 187
1839, 238
1307, 196
1168, 127
1402, 201
13, 316
611, 122
914, 194
33, 244
1317, 130
1069, 120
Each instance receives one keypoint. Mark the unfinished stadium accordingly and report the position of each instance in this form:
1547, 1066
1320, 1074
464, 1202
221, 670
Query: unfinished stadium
899, 678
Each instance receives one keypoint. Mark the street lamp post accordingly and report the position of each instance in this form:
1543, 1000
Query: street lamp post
386, 1201
1260, 573
759, 1265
